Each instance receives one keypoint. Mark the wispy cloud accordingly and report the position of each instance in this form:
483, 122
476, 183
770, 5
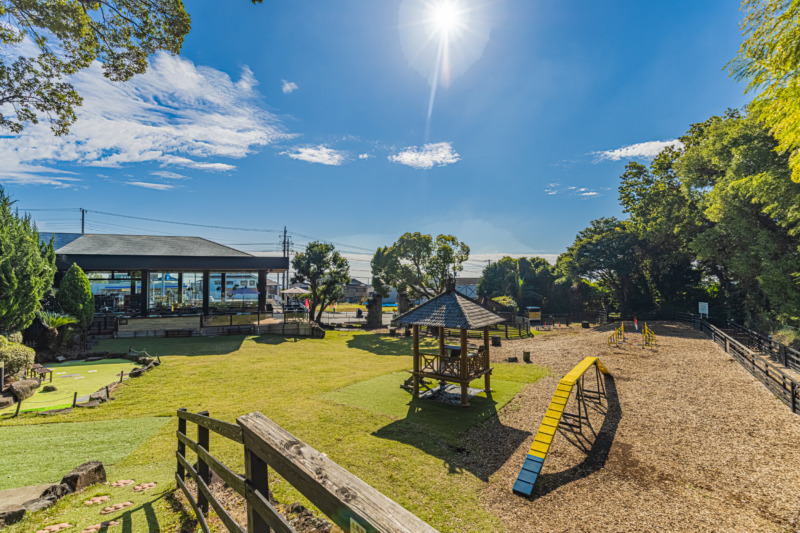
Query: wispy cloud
166, 174
571, 190
645, 150
148, 185
288, 87
363, 156
316, 154
176, 114
430, 155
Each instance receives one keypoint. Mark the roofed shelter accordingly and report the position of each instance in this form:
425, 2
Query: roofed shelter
135, 258
452, 310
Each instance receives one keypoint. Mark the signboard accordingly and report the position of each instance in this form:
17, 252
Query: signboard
703, 308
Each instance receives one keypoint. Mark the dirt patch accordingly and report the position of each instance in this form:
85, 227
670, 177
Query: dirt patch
687, 441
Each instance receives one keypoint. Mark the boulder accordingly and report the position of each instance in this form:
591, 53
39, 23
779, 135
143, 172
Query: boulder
85, 475
11, 516
49, 388
22, 390
136, 372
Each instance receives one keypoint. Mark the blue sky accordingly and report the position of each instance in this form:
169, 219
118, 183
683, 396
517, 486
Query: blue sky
314, 115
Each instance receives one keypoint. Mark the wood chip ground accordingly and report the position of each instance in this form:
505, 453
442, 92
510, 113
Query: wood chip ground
690, 441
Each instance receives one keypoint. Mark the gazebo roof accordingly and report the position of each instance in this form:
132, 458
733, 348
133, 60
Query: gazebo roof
451, 310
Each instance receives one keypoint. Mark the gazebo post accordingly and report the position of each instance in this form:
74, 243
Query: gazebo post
486, 359
415, 332
464, 371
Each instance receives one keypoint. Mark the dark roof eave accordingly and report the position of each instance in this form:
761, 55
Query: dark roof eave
173, 263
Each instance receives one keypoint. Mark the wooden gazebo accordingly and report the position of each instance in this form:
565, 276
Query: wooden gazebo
453, 364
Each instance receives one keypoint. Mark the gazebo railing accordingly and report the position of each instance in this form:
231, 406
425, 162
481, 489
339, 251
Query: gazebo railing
451, 366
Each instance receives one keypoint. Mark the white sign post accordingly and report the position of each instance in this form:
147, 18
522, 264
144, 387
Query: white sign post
703, 309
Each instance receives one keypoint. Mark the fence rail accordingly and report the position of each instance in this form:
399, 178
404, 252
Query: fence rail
348, 502
781, 385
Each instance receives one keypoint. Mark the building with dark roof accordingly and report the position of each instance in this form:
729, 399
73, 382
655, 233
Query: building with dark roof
142, 260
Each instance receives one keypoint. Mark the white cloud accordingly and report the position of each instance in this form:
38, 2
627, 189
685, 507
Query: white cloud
645, 150
571, 190
316, 154
288, 87
166, 174
430, 155
177, 113
588, 194
148, 185
363, 156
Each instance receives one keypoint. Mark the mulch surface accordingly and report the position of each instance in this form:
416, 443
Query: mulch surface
688, 440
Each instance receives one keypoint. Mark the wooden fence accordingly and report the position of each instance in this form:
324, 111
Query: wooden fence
788, 357
781, 385
346, 500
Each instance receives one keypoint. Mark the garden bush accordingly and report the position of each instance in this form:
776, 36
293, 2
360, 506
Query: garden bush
15, 356
14, 337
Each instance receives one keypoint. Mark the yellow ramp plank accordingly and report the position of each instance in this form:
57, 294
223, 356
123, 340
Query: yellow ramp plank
543, 438
540, 447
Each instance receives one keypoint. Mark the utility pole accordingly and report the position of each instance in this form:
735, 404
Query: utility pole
83, 220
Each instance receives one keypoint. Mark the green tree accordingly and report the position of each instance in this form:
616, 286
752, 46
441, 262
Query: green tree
769, 61
27, 267
325, 271
607, 252
418, 265
69, 35
74, 295
529, 281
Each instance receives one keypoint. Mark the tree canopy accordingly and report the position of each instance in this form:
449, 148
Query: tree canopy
74, 295
67, 36
769, 61
27, 267
325, 271
418, 265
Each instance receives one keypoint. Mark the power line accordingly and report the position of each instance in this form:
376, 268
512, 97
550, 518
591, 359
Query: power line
184, 223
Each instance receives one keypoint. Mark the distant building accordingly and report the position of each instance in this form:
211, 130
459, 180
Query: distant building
468, 286
357, 291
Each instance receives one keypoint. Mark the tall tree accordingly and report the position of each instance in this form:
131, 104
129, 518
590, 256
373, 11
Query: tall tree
769, 61
27, 267
68, 36
418, 265
325, 271
75, 297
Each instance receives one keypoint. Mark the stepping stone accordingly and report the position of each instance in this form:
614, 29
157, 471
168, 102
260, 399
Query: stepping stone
96, 499
116, 507
122, 483
143, 487
92, 371
54, 528
101, 525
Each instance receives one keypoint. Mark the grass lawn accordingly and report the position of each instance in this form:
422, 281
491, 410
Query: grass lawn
340, 394
82, 377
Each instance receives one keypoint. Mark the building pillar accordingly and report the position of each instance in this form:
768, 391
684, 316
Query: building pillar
133, 284
180, 287
206, 291
145, 297
222, 284
262, 291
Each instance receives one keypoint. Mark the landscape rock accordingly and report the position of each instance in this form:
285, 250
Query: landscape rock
22, 390
6, 401
99, 396
85, 475
54, 412
91, 404
136, 372
11, 516
49, 388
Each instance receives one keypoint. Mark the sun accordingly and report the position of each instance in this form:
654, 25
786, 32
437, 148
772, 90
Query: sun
445, 16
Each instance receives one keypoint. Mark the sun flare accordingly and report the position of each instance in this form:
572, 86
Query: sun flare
445, 16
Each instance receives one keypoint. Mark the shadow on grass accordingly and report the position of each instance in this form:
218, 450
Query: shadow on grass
380, 344
126, 518
442, 430
187, 347
596, 453
274, 340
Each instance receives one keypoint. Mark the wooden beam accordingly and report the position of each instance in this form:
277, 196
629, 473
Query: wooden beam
415, 333
348, 501
464, 371
486, 361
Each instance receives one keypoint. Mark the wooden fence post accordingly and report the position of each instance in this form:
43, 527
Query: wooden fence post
256, 476
181, 445
727, 345
794, 397
74, 399
202, 467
